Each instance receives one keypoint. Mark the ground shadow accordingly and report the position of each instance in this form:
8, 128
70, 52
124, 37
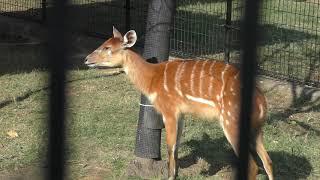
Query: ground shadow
26, 95
213, 151
218, 155
304, 100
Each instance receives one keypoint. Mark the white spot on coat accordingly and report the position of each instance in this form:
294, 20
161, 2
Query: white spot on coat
152, 97
221, 117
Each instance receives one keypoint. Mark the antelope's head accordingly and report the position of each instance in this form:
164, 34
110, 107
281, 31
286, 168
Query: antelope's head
111, 53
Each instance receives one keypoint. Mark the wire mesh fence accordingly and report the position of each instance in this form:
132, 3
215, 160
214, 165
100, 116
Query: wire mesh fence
23, 9
289, 48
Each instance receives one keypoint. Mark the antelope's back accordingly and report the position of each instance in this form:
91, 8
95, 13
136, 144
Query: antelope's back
202, 84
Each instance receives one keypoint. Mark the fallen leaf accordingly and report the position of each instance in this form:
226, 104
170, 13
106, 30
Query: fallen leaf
12, 134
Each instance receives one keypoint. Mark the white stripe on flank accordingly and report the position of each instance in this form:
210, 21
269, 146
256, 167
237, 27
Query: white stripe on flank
211, 68
211, 78
178, 76
202, 73
192, 77
261, 111
201, 100
165, 77
223, 83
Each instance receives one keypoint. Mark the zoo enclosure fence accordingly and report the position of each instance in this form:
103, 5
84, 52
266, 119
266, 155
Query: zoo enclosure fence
289, 49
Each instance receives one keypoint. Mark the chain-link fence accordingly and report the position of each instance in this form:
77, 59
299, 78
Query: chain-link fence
26, 9
289, 48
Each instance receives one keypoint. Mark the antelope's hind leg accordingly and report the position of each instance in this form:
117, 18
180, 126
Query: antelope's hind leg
174, 128
231, 133
262, 153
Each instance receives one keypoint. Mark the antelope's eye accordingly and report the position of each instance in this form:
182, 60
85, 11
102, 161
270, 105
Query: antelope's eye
106, 48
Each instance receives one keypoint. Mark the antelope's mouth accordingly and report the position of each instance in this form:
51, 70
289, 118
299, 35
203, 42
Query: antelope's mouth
91, 65
97, 66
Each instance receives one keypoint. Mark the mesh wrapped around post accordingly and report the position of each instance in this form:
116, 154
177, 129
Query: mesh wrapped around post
159, 25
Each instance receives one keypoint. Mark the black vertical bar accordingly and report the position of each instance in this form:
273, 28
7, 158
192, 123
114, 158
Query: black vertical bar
227, 32
44, 11
128, 22
57, 57
248, 71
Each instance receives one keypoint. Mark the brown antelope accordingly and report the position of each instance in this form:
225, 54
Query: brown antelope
207, 88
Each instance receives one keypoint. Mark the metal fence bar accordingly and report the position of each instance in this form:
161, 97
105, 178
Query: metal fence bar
44, 11
57, 23
227, 32
128, 7
249, 38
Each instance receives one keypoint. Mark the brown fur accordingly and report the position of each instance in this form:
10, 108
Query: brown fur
209, 89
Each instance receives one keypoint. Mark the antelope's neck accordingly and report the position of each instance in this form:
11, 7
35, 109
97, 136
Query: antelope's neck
139, 71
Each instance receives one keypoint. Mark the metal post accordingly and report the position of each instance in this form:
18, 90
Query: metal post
248, 71
44, 11
57, 58
128, 22
159, 24
227, 32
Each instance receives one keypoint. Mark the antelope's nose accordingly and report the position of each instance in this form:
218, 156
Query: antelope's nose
86, 61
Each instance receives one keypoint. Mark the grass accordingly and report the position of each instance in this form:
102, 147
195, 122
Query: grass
102, 110
101, 123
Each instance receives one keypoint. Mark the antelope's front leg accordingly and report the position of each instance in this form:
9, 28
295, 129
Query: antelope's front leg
171, 129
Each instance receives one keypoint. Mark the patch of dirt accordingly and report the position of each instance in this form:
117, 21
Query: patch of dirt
96, 172
193, 167
226, 172
34, 172
146, 169
297, 106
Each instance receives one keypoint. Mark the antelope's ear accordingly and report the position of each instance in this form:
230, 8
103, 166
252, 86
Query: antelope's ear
117, 34
129, 39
